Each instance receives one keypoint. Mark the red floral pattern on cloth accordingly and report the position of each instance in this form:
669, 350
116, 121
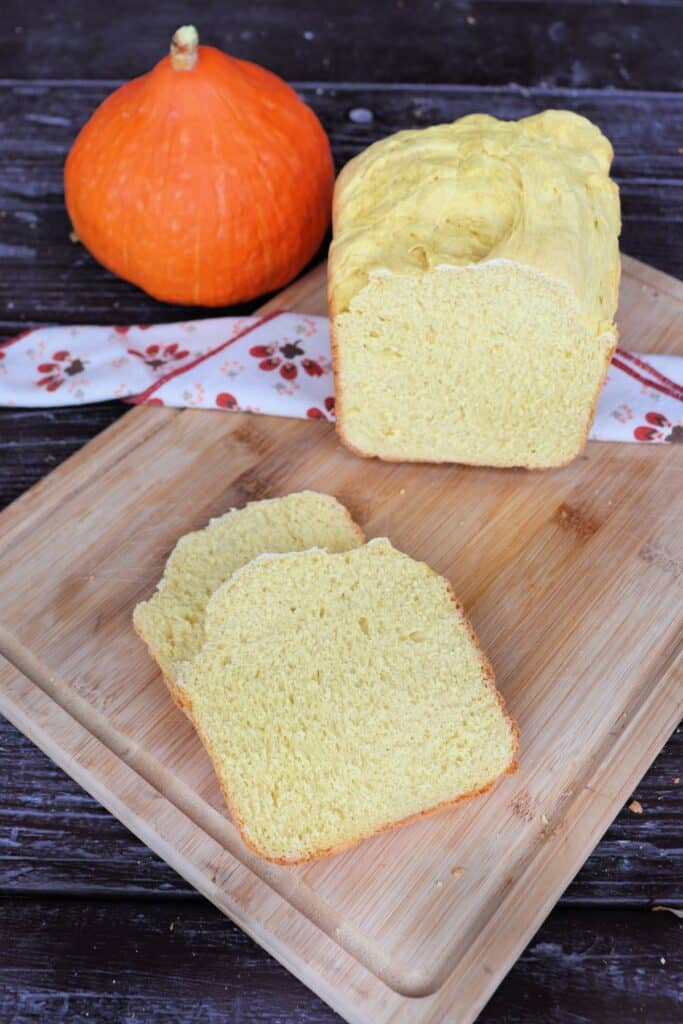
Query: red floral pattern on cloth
322, 414
279, 364
55, 371
287, 356
99, 363
225, 400
658, 428
642, 399
158, 357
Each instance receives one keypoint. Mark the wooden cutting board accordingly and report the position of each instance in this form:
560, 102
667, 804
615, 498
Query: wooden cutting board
572, 579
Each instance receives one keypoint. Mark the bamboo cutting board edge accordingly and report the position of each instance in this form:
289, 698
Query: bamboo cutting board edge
400, 977
658, 712
658, 715
34, 713
214, 825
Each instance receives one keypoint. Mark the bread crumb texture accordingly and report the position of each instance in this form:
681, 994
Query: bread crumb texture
172, 621
473, 282
340, 694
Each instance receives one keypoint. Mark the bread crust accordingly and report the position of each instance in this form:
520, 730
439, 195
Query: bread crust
410, 819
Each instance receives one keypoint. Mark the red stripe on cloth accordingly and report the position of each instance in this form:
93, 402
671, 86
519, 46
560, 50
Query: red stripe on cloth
644, 380
18, 337
651, 370
179, 370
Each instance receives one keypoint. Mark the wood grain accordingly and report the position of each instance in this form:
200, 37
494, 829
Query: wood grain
484, 42
167, 963
34, 441
594, 704
54, 839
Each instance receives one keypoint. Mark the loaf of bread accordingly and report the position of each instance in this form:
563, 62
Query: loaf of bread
473, 281
171, 622
342, 694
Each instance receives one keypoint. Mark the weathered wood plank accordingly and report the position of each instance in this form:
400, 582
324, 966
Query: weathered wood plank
34, 441
483, 42
54, 838
47, 278
131, 961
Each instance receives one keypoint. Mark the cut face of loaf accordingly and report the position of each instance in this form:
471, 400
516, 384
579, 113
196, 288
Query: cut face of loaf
342, 694
488, 365
473, 283
171, 622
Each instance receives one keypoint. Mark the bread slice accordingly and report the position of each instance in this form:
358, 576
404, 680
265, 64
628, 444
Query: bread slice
171, 622
342, 694
473, 283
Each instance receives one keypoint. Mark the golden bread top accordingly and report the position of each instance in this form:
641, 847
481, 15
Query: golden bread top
535, 191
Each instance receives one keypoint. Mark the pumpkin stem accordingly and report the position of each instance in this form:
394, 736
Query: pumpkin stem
184, 48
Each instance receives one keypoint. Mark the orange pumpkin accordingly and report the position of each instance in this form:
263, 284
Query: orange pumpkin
206, 181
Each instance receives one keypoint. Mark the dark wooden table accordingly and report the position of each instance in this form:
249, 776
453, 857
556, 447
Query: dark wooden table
93, 926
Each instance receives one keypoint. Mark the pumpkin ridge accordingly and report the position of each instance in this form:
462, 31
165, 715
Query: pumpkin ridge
208, 187
257, 167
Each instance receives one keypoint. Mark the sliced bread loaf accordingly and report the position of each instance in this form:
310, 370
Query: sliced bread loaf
171, 622
342, 694
473, 282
